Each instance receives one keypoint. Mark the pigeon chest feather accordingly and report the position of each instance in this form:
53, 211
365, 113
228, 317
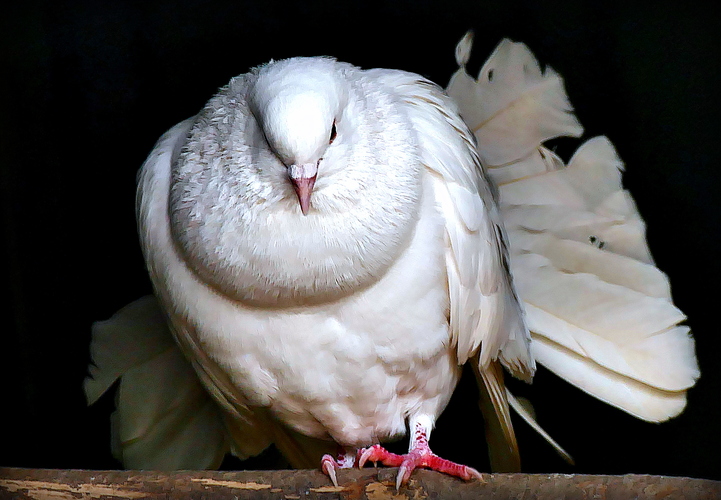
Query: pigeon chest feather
235, 215
354, 369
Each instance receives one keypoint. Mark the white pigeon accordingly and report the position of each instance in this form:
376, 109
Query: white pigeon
329, 252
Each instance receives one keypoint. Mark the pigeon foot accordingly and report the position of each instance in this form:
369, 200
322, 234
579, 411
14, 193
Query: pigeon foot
419, 455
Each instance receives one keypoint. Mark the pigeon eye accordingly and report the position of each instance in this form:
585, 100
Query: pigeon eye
333, 133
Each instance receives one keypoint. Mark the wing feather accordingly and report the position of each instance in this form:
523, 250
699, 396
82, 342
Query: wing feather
484, 308
486, 320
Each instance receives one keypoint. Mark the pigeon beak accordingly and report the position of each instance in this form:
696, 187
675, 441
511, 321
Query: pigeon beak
303, 179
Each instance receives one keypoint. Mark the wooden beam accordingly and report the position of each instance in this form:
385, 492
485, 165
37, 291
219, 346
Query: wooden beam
369, 483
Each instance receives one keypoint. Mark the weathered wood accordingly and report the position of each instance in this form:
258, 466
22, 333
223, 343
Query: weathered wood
373, 484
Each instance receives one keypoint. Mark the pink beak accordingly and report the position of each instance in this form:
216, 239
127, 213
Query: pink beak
304, 188
303, 179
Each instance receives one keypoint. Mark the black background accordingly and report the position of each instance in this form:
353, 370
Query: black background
87, 88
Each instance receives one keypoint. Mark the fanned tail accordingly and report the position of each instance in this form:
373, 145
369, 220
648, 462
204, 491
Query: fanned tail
599, 311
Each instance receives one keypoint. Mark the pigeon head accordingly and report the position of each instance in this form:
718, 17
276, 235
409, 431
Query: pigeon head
297, 103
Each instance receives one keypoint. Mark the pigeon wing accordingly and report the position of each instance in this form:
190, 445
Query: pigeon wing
486, 320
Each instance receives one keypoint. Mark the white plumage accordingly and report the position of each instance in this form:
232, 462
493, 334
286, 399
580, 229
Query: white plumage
349, 323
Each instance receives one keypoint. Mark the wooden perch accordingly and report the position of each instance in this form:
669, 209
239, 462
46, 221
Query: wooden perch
369, 483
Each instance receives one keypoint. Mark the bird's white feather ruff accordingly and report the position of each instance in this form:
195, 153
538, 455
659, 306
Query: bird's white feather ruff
599, 311
372, 330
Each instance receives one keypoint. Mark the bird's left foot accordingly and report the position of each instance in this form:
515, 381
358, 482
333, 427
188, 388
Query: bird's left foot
330, 465
420, 455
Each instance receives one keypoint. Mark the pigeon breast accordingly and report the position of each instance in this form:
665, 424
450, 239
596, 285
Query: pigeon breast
235, 216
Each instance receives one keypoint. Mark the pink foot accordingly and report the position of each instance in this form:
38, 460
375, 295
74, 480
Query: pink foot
330, 465
420, 455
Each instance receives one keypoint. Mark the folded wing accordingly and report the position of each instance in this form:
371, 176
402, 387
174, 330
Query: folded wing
486, 320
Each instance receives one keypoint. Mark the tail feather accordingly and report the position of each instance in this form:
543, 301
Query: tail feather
524, 409
164, 419
600, 313
500, 436
513, 106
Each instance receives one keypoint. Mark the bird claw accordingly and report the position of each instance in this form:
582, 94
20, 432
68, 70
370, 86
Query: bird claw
375, 454
404, 473
328, 465
474, 474
364, 455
